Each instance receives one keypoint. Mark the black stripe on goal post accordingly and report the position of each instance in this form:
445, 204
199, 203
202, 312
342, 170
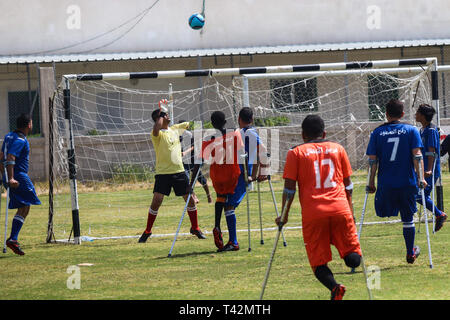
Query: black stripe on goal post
253, 70
72, 167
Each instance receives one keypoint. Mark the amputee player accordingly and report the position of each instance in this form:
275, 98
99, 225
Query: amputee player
253, 149
392, 150
222, 150
322, 170
431, 157
15, 155
169, 169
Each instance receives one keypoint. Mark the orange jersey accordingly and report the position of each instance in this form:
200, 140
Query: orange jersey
319, 167
222, 154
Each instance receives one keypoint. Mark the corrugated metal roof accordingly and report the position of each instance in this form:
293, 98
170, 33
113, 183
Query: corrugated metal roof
23, 59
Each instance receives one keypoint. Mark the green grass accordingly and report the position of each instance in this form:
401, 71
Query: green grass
123, 269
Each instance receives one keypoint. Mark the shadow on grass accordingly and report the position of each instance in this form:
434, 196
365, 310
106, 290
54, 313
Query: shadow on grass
190, 254
359, 269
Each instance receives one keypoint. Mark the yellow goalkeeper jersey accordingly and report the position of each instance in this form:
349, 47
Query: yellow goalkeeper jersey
168, 149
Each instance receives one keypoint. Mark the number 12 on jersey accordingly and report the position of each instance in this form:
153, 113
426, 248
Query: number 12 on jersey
328, 183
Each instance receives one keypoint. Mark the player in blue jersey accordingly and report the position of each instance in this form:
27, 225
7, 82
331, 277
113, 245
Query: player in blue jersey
431, 151
15, 157
253, 148
395, 150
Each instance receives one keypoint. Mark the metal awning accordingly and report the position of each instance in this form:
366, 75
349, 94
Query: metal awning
186, 53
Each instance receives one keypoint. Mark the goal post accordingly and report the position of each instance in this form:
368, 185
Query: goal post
102, 124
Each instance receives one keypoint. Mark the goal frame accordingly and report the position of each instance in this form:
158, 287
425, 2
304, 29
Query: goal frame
340, 68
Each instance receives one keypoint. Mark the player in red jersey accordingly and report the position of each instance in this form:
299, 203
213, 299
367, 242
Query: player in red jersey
221, 151
322, 171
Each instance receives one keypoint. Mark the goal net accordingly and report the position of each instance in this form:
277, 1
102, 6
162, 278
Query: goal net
111, 124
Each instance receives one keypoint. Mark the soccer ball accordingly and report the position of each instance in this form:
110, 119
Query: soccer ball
196, 21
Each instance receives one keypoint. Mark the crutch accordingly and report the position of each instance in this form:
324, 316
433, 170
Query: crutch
422, 191
276, 207
184, 210
419, 213
245, 163
433, 188
361, 221
7, 200
366, 277
289, 196
260, 212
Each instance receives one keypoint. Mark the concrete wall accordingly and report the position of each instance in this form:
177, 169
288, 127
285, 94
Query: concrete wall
59, 27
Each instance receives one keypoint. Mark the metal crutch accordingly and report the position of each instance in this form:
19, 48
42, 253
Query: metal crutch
184, 210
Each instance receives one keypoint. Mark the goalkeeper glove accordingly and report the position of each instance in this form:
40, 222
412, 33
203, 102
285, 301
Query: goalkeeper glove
163, 105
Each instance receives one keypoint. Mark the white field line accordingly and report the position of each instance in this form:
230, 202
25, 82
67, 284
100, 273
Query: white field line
167, 235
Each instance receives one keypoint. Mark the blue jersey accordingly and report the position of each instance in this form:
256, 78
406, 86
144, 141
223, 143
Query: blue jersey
392, 143
251, 141
430, 139
17, 144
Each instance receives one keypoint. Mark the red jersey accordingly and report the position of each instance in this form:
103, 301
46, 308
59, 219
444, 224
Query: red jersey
222, 154
319, 167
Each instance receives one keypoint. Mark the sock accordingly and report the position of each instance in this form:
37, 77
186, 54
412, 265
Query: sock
231, 223
151, 218
17, 224
409, 232
325, 276
192, 212
218, 213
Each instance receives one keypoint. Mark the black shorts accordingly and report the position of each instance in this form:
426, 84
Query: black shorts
165, 182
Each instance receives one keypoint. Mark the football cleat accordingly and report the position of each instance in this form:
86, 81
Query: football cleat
218, 240
14, 246
144, 237
411, 258
198, 233
230, 246
338, 292
440, 221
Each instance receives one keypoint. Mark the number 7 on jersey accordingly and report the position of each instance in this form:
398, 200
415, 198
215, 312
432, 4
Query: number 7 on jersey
395, 140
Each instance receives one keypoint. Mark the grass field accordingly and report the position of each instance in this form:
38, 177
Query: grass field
125, 270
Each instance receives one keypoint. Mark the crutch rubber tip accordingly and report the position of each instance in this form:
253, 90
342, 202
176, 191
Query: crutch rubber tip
285, 244
249, 249
169, 255
4, 250
262, 241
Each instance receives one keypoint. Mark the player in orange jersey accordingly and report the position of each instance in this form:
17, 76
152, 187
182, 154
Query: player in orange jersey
221, 151
322, 171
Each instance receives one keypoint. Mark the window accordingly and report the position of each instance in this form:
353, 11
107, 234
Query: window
294, 94
382, 88
22, 102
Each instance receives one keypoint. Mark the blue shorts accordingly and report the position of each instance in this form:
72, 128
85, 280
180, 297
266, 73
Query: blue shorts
239, 193
390, 201
24, 195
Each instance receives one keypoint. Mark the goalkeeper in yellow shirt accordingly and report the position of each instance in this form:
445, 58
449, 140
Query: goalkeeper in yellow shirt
169, 169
